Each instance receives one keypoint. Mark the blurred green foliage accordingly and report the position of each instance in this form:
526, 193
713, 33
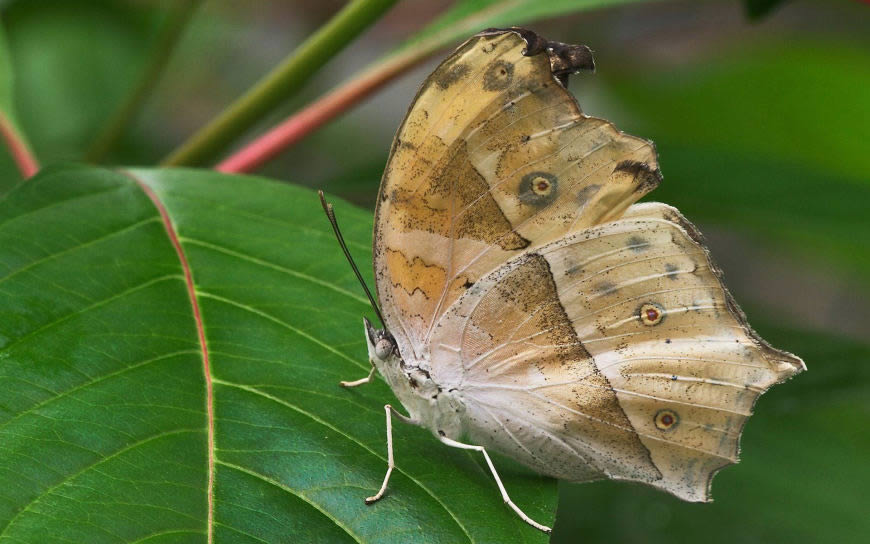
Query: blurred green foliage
466, 16
759, 8
762, 131
802, 101
768, 139
73, 62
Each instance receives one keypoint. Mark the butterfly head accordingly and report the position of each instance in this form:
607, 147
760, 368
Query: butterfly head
382, 345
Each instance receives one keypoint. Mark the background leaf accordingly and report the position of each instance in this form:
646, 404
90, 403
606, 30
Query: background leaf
800, 102
757, 9
74, 63
465, 17
765, 140
103, 418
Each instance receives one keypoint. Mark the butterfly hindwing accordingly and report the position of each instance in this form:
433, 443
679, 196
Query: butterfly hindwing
494, 157
652, 328
508, 345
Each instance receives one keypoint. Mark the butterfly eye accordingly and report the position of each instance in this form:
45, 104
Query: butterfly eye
651, 314
383, 349
666, 419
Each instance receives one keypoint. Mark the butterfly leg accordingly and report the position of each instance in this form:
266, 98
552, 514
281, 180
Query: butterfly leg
504, 495
389, 410
360, 381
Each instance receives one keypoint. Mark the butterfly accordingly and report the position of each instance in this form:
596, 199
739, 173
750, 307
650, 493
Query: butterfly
531, 307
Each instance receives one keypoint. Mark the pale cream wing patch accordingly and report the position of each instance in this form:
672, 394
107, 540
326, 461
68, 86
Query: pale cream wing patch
501, 348
662, 335
493, 158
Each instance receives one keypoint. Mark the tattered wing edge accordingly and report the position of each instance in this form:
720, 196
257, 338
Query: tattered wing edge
676, 217
565, 59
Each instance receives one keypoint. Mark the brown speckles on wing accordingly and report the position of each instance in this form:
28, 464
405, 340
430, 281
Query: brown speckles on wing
520, 356
450, 75
455, 184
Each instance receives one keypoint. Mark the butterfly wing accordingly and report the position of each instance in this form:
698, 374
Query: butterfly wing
494, 157
615, 351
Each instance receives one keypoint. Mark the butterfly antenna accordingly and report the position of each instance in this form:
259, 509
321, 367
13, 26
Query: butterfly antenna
330, 214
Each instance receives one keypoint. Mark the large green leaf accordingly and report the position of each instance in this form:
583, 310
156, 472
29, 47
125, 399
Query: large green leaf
104, 402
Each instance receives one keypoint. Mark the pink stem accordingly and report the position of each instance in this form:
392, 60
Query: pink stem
315, 115
24, 159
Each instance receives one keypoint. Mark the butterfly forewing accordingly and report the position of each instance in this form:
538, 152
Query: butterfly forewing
494, 157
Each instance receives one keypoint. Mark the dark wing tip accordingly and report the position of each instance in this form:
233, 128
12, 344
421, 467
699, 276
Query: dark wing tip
565, 59
648, 178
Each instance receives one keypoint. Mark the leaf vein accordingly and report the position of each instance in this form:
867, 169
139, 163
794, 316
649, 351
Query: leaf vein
93, 306
294, 492
94, 381
352, 439
97, 240
84, 469
278, 321
268, 264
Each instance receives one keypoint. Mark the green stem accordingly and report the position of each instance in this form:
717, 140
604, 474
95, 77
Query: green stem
172, 30
281, 83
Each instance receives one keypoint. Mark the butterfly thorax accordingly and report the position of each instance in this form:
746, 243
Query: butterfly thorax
431, 404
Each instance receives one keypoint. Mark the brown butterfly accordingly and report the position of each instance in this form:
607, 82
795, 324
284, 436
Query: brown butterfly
531, 307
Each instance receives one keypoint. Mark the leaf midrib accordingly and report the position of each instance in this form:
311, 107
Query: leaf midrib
193, 300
